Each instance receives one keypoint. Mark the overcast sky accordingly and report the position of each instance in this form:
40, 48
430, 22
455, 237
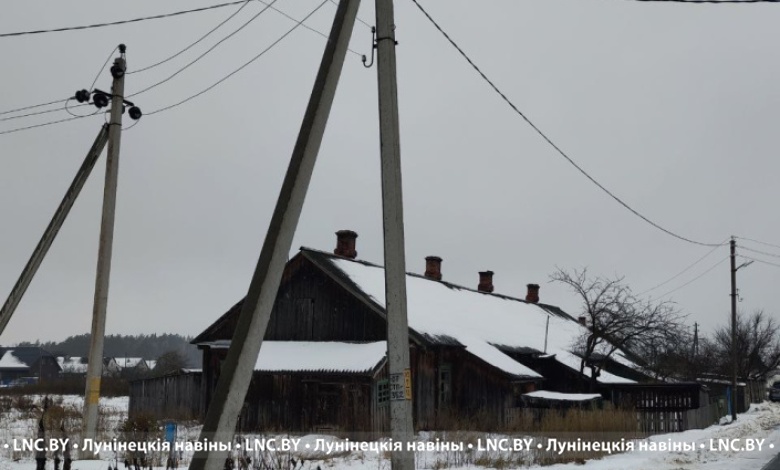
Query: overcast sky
673, 107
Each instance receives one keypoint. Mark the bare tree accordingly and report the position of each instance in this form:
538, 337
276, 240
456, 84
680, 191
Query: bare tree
169, 362
616, 319
758, 346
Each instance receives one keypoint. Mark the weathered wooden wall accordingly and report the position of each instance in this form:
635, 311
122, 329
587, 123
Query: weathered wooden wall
168, 397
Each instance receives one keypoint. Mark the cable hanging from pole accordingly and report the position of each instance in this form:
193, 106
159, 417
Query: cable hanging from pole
549, 140
120, 22
250, 61
253, 18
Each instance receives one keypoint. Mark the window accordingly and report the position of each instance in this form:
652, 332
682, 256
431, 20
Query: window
445, 384
382, 392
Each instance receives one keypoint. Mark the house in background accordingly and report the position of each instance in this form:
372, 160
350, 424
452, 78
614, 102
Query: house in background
474, 354
131, 365
29, 361
72, 365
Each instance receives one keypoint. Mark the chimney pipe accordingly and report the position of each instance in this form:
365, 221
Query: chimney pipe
485, 281
345, 244
533, 293
433, 267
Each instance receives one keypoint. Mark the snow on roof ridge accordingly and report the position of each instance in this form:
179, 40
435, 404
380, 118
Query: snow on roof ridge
478, 323
422, 276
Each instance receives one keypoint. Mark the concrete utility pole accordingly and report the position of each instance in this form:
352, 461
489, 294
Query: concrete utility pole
28, 273
401, 428
734, 358
220, 423
95, 364
733, 257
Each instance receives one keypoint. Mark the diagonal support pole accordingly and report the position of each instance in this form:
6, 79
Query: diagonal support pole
223, 411
28, 273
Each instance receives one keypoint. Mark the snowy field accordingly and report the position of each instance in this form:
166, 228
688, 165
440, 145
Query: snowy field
759, 428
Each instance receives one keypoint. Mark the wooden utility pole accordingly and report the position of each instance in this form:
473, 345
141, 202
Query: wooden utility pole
95, 364
220, 423
733, 257
28, 273
401, 429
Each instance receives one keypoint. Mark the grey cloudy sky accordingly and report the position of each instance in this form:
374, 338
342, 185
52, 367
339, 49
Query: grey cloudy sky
673, 107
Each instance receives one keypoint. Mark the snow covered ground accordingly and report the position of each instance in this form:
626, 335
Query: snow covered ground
749, 443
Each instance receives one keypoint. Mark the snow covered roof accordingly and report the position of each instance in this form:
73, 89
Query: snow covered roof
10, 361
317, 356
544, 394
484, 323
320, 356
73, 365
128, 362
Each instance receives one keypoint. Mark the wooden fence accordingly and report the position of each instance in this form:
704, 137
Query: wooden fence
175, 396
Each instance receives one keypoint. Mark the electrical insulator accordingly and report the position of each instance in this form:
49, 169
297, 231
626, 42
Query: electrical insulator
117, 71
135, 113
82, 96
100, 100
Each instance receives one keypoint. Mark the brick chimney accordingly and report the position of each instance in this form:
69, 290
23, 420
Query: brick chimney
485, 281
345, 244
433, 267
533, 293
583, 320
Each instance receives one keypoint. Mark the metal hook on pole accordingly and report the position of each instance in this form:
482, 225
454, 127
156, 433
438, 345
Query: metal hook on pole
373, 48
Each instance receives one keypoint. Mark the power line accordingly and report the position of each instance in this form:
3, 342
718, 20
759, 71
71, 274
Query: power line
246, 2
243, 4
257, 15
298, 23
25, 108
759, 251
695, 278
757, 241
681, 272
218, 82
97, 75
35, 126
232, 15
357, 18
549, 141
120, 22
760, 261
64, 102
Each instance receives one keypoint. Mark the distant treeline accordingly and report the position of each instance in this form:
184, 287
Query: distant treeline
146, 346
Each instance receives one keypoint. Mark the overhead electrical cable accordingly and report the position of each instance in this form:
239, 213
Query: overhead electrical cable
759, 260
25, 108
217, 44
193, 44
360, 20
35, 126
681, 272
743, 247
550, 142
757, 241
218, 82
121, 22
695, 278
298, 23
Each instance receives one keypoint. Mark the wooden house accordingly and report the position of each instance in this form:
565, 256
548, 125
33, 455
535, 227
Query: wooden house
322, 364
27, 362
